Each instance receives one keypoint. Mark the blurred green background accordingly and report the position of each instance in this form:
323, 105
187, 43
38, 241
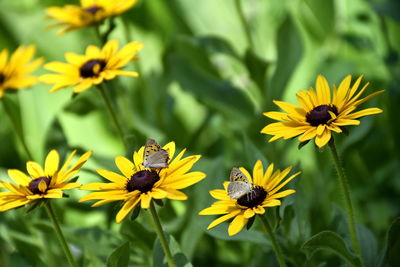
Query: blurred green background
204, 84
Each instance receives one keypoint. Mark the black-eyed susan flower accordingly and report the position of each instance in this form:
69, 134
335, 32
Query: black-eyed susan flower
72, 17
93, 68
46, 183
138, 184
15, 70
246, 202
319, 114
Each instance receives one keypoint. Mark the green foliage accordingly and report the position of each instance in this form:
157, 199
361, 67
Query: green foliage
203, 86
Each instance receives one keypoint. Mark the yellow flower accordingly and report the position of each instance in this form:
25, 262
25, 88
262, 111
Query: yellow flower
72, 17
318, 114
15, 71
97, 66
40, 184
264, 193
139, 184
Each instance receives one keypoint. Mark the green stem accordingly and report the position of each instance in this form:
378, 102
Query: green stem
161, 235
344, 186
239, 8
15, 129
59, 234
113, 114
103, 38
275, 245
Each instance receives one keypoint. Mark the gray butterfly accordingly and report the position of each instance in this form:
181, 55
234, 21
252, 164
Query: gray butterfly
154, 157
239, 184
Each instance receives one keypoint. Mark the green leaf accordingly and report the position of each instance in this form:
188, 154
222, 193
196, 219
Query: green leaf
159, 202
136, 233
390, 253
289, 55
179, 258
83, 104
302, 144
257, 68
189, 63
368, 245
120, 256
250, 222
221, 232
253, 152
135, 213
328, 240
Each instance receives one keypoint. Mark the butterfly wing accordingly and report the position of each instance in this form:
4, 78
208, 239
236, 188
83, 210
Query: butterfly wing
239, 184
236, 189
157, 160
154, 156
238, 176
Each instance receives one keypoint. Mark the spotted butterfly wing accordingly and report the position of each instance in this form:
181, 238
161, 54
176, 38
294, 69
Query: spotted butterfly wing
239, 184
154, 157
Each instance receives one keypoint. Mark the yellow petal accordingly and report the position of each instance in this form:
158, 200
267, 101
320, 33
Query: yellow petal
34, 169
249, 213
284, 193
83, 85
113, 177
271, 203
110, 48
102, 186
170, 147
125, 166
184, 180
344, 122
51, 163
259, 210
19, 177
42, 186
179, 167
258, 172
158, 193
219, 194
116, 195
175, 194
322, 140
92, 51
364, 112
128, 206
237, 224
223, 218
145, 200
215, 210
323, 91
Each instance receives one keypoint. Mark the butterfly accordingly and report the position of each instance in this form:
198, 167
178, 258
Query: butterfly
239, 184
154, 157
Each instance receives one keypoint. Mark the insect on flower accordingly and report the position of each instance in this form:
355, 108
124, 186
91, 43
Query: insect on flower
154, 157
239, 184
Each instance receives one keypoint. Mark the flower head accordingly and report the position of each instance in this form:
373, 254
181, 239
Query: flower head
15, 71
97, 66
263, 193
49, 182
140, 184
318, 115
72, 17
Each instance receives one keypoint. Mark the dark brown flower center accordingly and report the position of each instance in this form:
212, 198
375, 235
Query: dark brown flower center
92, 68
2, 78
93, 9
320, 114
254, 198
142, 181
34, 185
